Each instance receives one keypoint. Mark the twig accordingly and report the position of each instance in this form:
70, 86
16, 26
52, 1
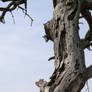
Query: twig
13, 17
24, 11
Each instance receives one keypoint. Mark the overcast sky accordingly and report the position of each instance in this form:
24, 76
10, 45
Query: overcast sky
24, 53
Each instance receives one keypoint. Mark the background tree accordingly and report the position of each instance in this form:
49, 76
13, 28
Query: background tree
70, 72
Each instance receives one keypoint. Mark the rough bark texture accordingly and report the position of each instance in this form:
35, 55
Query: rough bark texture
70, 71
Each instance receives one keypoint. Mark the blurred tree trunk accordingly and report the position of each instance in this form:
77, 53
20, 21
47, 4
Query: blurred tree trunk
70, 71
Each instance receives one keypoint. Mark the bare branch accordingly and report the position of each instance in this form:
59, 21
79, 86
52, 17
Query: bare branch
13, 17
25, 11
51, 58
87, 4
13, 4
87, 15
85, 44
88, 73
8, 0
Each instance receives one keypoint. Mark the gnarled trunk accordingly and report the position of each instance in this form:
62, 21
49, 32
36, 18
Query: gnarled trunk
69, 54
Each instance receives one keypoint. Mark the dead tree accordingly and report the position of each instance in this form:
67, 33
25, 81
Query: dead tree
71, 73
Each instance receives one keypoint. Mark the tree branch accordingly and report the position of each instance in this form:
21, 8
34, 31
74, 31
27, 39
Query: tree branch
87, 4
88, 73
87, 41
13, 4
84, 43
87, 15
8, 0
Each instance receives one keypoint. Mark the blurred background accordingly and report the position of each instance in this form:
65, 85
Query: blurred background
24, 53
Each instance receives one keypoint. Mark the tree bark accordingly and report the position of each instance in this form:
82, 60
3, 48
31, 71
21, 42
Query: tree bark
70, 70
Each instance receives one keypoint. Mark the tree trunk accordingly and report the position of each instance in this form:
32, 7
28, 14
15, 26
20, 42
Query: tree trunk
63, 30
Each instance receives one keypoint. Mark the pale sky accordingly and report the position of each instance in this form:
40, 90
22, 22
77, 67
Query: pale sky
24, 53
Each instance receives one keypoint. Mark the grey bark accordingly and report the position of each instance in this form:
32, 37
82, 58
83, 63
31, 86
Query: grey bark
70, 70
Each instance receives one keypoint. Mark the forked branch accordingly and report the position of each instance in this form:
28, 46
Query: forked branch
12, 5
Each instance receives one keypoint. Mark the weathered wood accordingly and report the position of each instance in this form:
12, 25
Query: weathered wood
63, 30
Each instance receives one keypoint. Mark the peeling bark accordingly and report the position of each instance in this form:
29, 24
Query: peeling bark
69, 74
